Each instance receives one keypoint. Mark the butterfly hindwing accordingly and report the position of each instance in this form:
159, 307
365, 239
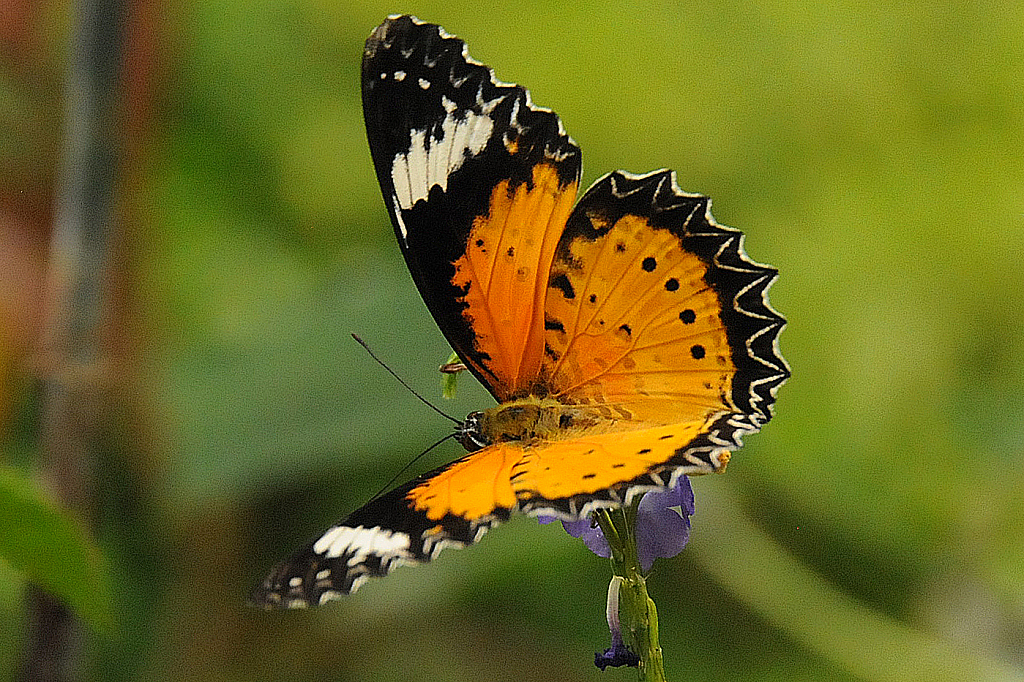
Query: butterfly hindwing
454, 506
655, 311
478, 182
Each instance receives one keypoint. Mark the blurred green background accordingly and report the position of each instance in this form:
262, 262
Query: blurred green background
873, 153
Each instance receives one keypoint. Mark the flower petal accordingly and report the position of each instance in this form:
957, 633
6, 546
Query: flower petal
663, 523
616, 657
588, 531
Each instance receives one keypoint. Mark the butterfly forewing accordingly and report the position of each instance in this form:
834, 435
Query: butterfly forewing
448, 507
478, 183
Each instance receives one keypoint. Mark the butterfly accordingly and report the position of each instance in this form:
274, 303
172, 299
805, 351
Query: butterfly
626, 337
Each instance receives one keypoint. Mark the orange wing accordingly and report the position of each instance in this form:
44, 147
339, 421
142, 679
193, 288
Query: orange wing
455, 505
479, 183
508, 254
655, 311
569, 477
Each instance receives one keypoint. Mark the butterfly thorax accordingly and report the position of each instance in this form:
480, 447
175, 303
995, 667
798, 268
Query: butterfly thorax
526, 419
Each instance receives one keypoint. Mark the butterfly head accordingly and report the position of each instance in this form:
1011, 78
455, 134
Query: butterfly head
469, 432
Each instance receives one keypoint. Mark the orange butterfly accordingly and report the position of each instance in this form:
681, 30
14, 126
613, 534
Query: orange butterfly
627, 339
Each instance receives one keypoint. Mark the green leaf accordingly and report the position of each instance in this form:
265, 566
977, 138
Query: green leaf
52, 549
450, 376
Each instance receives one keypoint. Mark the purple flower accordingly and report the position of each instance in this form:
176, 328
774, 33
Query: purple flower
662, 525
618, 654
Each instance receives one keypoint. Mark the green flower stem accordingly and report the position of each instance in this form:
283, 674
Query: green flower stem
637, 612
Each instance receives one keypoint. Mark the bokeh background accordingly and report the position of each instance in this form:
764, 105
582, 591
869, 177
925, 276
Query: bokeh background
874, 153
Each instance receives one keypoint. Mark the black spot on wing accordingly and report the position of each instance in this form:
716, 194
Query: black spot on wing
562, 284
554, 325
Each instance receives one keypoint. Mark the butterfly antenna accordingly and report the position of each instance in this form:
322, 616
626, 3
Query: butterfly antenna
408, 388
387, 486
